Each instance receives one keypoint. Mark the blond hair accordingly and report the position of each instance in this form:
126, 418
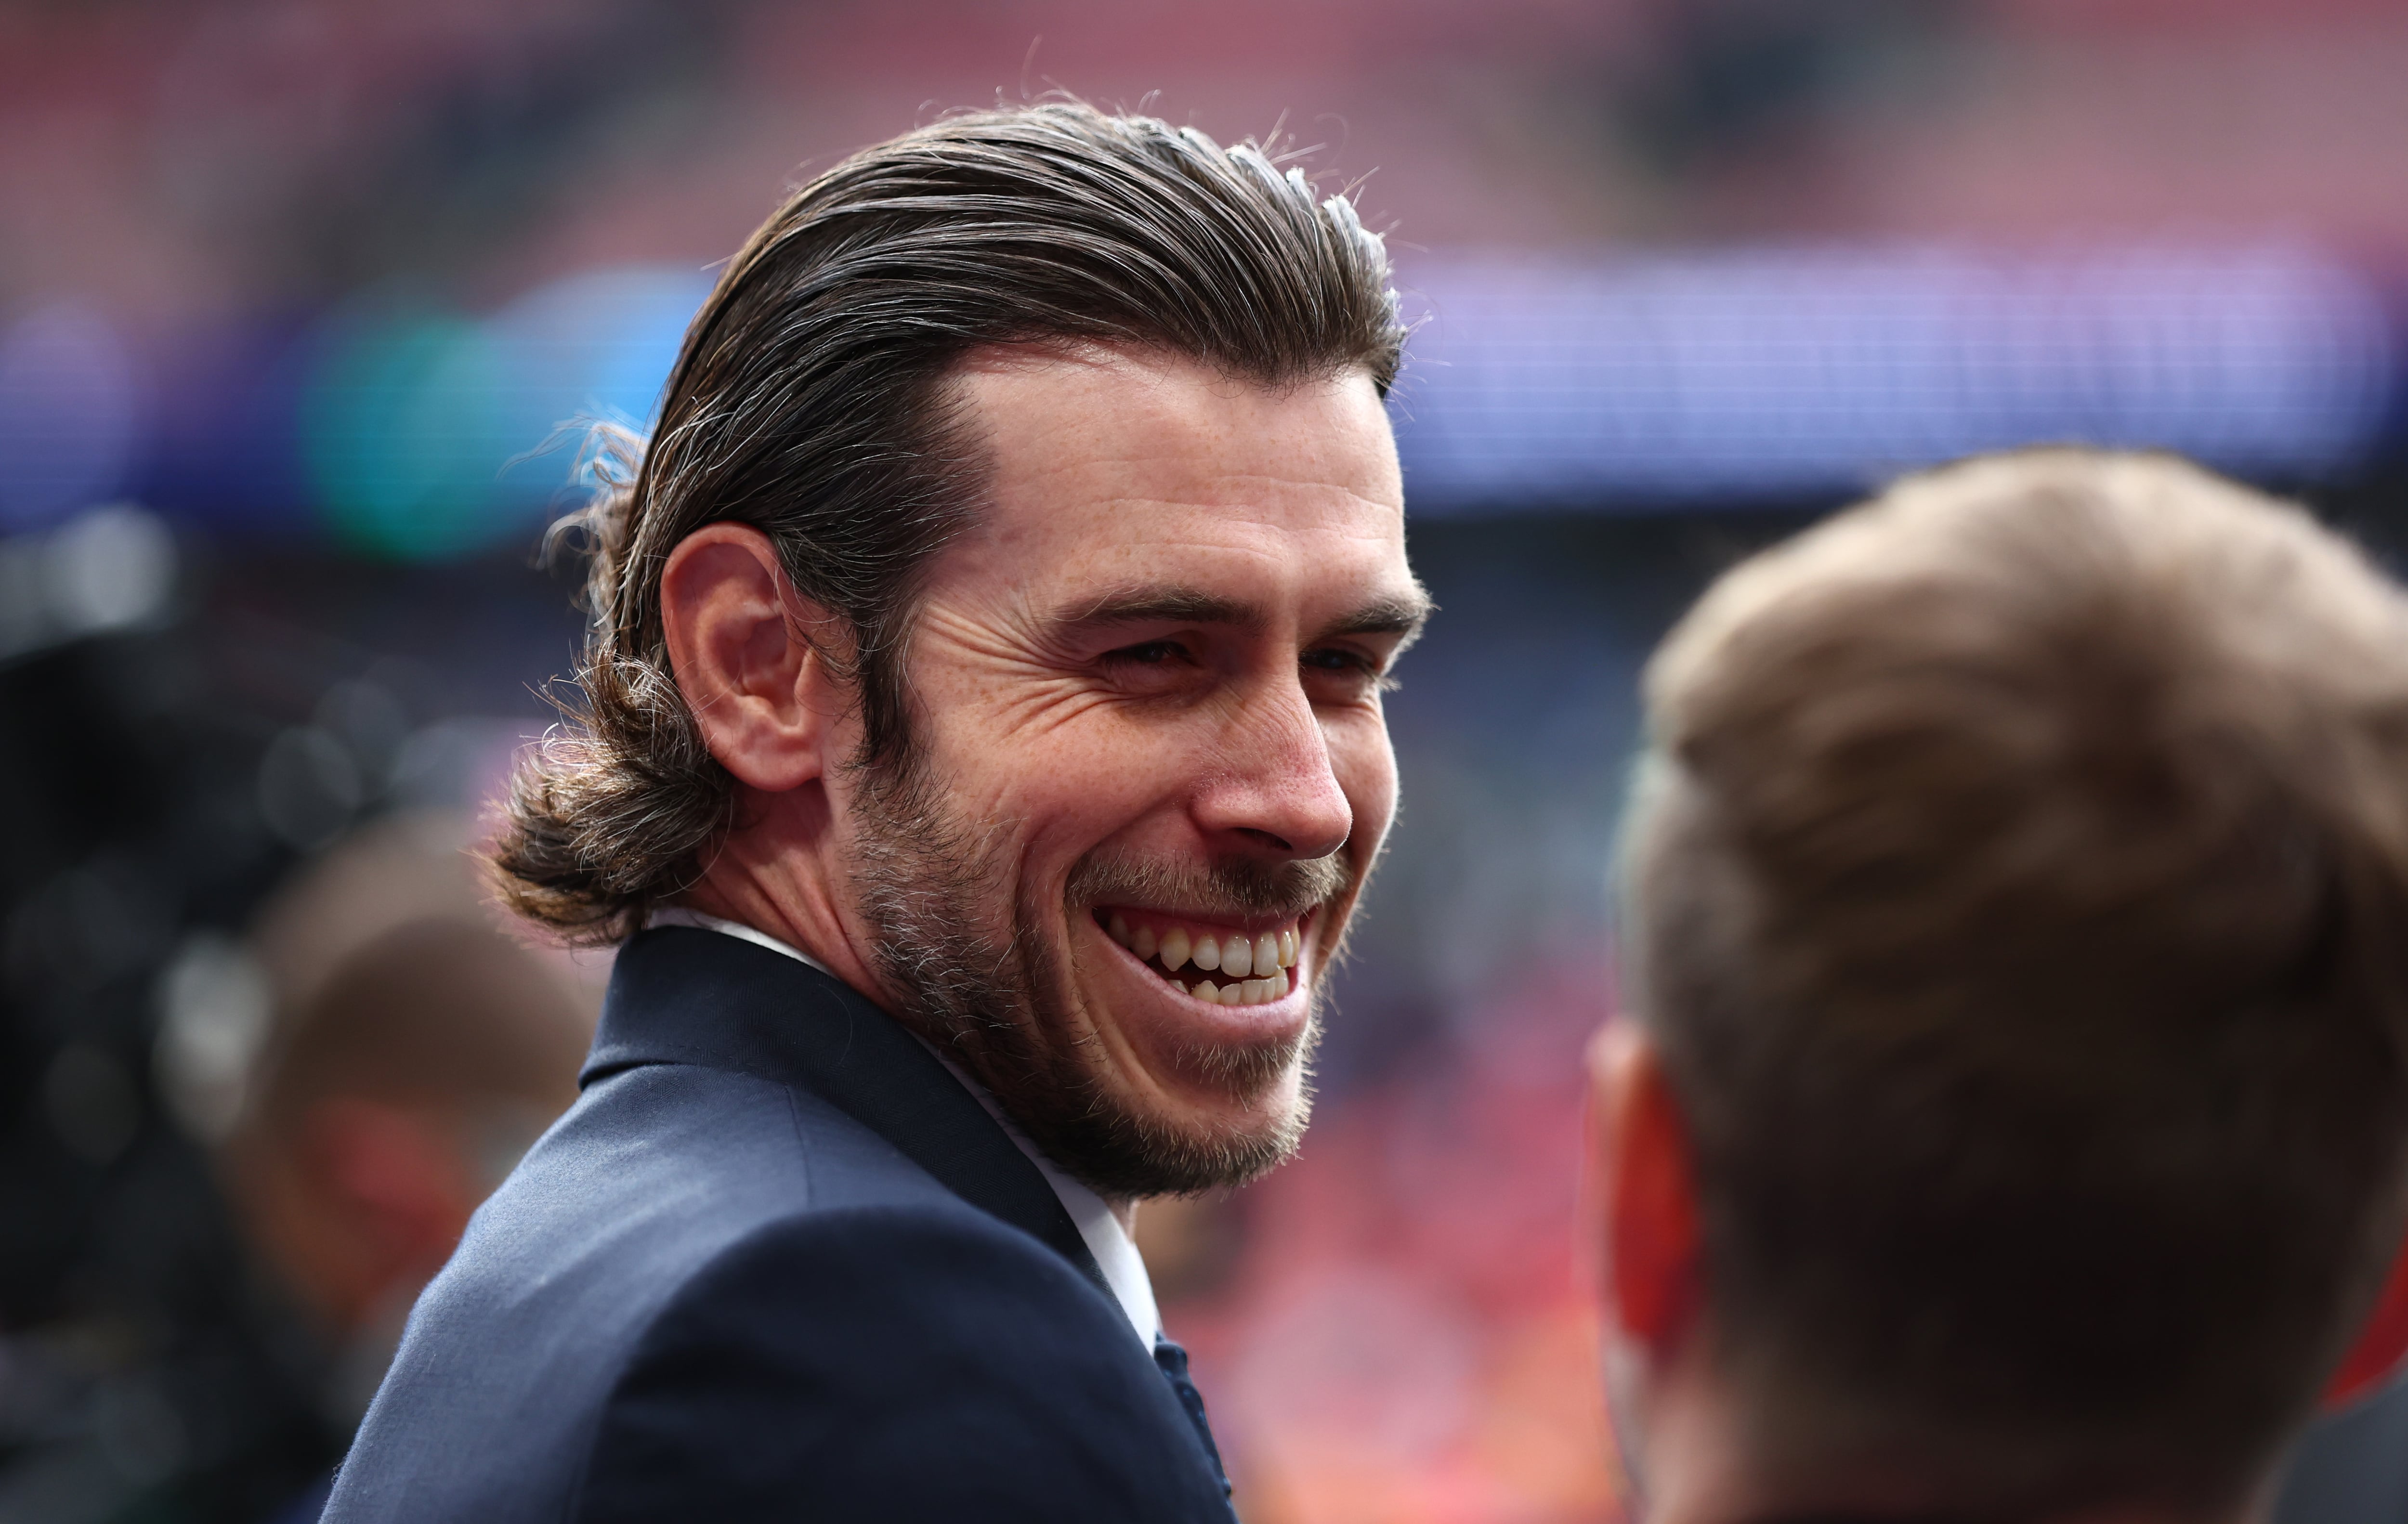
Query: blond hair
2018, 887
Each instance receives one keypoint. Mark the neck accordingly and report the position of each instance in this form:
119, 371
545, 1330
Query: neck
1700, 1469
780, 875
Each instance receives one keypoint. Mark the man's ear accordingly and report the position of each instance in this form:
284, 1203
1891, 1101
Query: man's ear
1647, 1198
738, 636
2382, 1343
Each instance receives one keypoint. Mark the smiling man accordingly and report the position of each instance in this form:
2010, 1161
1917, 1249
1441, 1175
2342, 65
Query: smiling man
983, 752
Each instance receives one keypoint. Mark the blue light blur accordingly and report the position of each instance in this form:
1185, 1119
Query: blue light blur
405, 429
415, 432
430, 436
1781, 373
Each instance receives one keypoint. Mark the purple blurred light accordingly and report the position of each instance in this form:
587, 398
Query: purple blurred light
1790, 372
69, 414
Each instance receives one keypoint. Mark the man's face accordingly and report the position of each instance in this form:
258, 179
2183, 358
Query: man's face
1152, 767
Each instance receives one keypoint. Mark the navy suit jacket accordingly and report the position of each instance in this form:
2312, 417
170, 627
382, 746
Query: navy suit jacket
775, 1263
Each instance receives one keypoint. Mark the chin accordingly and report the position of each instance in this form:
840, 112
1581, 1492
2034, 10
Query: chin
1229, 1095
1198, 1108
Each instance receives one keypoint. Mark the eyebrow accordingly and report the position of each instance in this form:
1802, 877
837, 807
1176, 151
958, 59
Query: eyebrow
1159, 603
1395, 614
1390, 615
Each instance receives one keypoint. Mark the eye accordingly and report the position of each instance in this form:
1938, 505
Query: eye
1348, 670
1151, 653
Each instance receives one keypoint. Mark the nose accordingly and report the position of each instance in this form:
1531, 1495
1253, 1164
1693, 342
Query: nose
1279, 789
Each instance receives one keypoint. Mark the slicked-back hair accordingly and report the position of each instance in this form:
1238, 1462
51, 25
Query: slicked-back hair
810, 402
2016, 888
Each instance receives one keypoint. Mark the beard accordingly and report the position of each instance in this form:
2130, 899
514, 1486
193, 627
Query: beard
984, 976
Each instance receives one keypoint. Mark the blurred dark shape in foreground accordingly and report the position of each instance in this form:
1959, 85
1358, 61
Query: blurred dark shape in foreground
162, 772
418, 1052
139, 1363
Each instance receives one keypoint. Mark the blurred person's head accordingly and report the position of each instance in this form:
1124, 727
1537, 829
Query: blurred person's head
998, 612
2017, 892
387, 1107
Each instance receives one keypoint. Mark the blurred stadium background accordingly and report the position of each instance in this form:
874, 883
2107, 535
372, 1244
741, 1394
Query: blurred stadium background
295, 295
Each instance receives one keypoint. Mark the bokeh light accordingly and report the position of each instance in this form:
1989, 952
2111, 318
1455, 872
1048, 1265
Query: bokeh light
68, 414
595, 345
429, 434
403, 431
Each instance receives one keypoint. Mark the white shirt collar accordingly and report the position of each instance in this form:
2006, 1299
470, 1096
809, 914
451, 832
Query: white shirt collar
678, 915
1115, 1251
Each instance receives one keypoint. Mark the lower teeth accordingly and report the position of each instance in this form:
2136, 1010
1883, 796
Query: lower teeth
1246, 992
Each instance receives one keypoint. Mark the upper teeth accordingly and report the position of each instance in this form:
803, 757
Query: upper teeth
1253, 969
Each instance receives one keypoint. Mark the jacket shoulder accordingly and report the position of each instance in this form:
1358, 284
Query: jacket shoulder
499, 1383
894, 1362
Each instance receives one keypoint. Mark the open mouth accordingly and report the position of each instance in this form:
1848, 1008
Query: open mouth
1213, 963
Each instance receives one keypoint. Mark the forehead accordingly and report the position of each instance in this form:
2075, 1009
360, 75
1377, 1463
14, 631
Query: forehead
1104, 464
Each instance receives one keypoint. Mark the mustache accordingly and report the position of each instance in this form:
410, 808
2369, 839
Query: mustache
1237, 887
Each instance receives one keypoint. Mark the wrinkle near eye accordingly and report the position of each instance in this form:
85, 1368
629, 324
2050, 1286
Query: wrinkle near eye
1048, 707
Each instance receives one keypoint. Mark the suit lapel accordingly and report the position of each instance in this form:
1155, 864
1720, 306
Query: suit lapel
686, 995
